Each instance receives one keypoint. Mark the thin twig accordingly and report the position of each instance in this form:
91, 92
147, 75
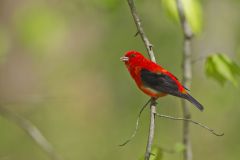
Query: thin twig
192, 121
187, 77
32, 131
140, 31
151, 129
137, 125
149, 48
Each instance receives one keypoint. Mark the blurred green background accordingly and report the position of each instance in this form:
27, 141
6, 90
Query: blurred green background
60, 68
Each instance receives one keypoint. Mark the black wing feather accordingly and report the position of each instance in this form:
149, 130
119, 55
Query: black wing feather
165, 84
159, 82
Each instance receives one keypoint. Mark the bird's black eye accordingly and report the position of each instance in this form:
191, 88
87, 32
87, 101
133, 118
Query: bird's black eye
132, 55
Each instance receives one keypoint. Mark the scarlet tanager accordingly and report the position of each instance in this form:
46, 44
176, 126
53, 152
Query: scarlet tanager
153, 79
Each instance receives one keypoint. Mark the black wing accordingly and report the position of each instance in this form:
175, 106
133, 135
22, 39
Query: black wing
164, 83
159, 82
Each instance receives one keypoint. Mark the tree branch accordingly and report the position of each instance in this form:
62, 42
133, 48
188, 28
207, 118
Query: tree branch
149, 48
32, 131
140, 31
151, 129
192, 121
187, 77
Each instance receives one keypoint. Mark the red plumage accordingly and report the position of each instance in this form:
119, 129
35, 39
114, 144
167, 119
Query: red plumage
153, 79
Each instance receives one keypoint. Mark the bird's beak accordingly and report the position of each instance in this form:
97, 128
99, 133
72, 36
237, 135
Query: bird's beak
124, 59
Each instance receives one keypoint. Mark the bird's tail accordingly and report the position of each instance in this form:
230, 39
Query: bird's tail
189, 98
193, 101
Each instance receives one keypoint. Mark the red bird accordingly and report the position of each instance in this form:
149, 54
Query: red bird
153, 79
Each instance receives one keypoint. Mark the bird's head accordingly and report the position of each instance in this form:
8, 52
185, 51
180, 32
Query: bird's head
131, 57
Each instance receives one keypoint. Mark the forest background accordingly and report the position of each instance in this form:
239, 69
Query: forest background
60, 69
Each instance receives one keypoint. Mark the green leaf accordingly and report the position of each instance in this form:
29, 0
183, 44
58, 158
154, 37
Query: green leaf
157, 154
179, 147
193, 13
170, 8
222, 69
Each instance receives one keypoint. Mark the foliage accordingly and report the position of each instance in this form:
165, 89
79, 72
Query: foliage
156, 154
179, 147
222, 69
193, 12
